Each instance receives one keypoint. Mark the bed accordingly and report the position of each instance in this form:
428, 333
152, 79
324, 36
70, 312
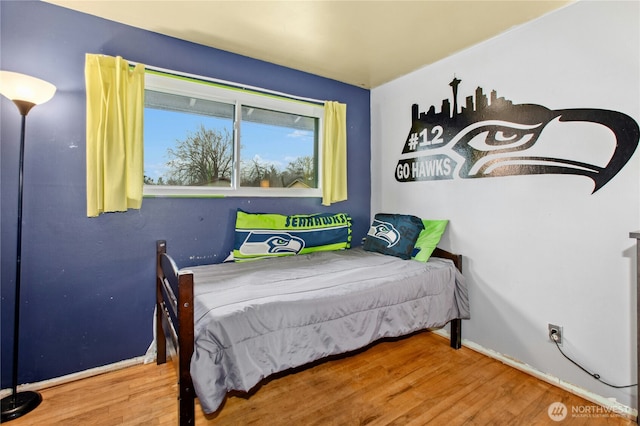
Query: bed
230, 325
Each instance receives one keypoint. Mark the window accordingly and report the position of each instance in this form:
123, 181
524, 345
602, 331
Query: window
205, 139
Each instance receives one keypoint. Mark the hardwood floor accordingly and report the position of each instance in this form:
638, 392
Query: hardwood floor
413, 381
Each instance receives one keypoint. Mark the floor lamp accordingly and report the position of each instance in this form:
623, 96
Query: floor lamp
26, 92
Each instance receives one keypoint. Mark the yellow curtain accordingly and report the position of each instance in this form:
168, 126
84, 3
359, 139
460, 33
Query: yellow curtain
334, 153
115, 111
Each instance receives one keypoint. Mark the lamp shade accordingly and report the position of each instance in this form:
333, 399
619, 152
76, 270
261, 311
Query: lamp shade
21, 87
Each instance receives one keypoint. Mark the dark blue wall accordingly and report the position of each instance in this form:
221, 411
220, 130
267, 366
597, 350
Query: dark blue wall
88, 283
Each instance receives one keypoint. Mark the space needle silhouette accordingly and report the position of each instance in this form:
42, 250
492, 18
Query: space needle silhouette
454, 84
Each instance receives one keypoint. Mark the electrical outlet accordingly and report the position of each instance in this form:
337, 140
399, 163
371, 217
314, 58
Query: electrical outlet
555, 333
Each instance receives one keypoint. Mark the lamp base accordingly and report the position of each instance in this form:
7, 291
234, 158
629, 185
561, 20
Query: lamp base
19, 404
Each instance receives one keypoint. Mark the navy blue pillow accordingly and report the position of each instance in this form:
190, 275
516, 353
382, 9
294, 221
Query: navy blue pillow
393, 234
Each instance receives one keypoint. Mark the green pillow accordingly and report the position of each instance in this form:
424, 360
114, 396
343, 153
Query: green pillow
428, 239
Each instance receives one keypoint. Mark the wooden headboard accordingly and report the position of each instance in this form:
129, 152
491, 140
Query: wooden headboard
456, 258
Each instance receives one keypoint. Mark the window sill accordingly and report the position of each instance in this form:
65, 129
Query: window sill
154, 191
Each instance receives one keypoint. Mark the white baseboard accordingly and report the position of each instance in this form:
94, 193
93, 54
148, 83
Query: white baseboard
609, 404
77, 376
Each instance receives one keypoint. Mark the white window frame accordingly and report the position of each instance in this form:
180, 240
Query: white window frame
210, 90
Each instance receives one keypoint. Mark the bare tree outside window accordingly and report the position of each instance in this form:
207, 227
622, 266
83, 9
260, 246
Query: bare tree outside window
297, 173
302, 169
203, 158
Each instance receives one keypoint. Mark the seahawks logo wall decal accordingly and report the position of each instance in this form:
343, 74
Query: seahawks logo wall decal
494, 137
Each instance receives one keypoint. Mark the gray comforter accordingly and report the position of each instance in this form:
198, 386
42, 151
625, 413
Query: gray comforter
253, 319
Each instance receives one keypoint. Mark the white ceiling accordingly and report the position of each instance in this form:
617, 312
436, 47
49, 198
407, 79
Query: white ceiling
364, 43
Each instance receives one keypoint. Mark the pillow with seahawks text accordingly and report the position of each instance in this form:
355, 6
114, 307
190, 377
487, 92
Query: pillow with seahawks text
260, 235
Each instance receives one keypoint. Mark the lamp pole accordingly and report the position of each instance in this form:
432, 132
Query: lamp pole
25, 92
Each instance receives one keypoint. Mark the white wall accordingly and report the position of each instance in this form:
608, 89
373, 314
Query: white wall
538, 248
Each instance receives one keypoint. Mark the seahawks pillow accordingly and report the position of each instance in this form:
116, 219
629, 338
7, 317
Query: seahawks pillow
393, 234
428, 239
265, 234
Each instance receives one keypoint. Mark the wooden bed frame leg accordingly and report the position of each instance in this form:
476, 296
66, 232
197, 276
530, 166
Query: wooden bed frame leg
186, 409
186, 393
161, 342
174, 292
456, 333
